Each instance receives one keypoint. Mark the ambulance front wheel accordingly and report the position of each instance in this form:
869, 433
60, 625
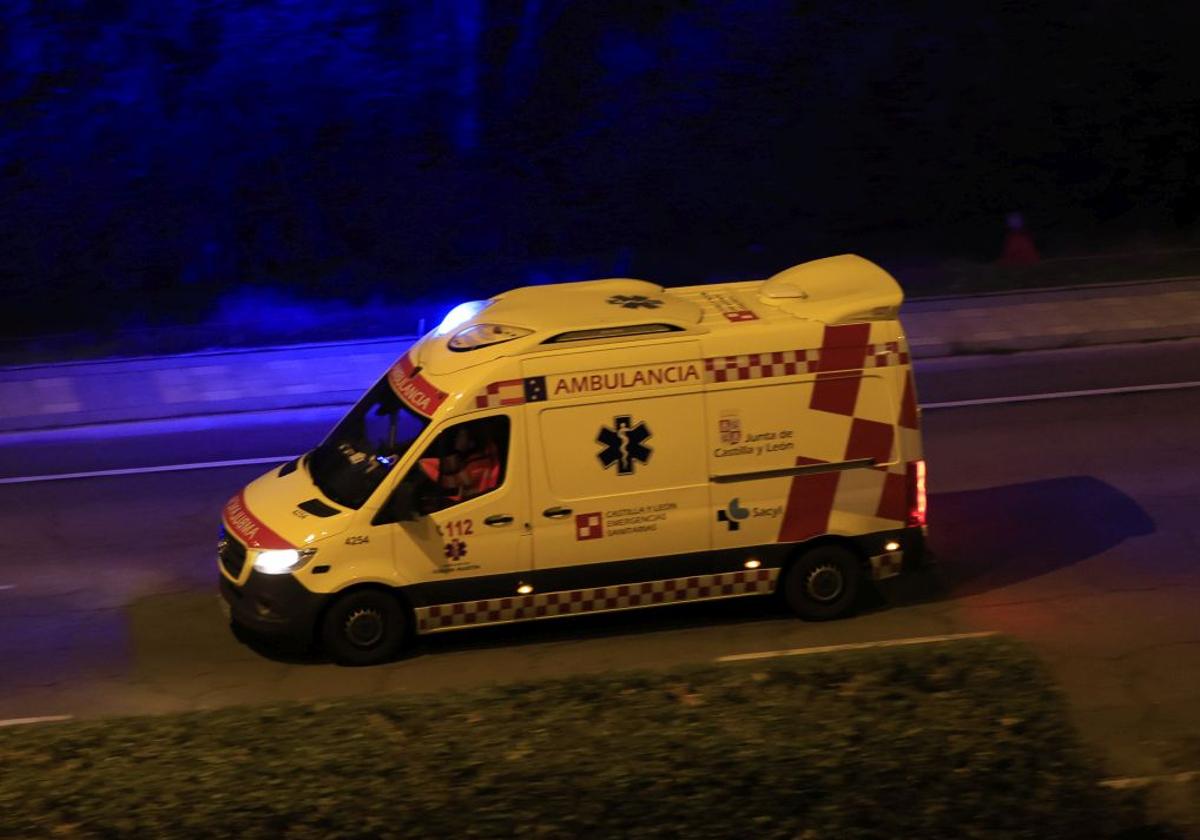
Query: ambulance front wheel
364, 627
823, 582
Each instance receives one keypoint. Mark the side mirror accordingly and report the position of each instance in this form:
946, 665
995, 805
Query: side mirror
399, 506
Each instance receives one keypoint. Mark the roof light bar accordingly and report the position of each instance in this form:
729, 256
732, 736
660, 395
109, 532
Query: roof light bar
460, 314
484, 335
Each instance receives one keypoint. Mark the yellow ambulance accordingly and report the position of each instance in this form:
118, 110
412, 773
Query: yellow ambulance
597, 446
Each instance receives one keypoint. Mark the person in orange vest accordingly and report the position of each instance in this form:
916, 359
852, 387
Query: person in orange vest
1018, 244
471, 467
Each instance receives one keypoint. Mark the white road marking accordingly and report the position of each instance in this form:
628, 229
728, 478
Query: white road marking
4, 586
204, 465
1061, 395
42, 719
885, 643
1145, 781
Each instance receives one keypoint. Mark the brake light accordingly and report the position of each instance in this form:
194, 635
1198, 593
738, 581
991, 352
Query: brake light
916, 494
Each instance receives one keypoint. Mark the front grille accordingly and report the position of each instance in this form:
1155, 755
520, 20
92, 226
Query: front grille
232, 555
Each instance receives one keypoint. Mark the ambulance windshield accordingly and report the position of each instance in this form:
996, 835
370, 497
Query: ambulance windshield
362, 449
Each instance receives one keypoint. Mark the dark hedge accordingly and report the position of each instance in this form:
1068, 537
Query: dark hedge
967, 740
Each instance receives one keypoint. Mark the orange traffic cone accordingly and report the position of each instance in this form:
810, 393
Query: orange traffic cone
1018, 244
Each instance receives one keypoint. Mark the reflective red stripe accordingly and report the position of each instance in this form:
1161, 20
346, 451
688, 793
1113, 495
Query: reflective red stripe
908, 407
809, 503
893, 501
843, 347
869, 439
247, 527
836, 393
417, 391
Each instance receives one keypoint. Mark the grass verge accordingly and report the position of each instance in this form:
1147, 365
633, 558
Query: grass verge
964, 740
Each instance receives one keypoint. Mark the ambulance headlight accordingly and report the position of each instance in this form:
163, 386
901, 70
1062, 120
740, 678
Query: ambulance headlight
280, 561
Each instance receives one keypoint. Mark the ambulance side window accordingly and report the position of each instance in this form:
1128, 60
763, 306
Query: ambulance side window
463, 462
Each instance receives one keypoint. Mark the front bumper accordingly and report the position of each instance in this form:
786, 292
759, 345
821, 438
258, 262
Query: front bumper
273, 605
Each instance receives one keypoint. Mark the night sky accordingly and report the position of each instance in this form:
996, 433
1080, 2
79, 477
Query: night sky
157, 155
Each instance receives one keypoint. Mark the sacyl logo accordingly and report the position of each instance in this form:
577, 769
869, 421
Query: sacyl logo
732, 515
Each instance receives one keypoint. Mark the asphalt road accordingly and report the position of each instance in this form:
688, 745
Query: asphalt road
1070, 523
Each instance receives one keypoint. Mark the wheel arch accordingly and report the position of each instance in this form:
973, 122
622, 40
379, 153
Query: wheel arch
797, 550
822, 554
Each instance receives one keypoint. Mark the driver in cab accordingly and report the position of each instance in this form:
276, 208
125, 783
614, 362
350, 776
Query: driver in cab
470, 468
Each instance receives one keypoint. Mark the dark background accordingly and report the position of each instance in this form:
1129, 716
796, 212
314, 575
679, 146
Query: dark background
160, 158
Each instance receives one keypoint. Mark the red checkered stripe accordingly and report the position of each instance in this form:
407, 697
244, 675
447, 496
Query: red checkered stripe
601, 599
793, 362
813, 498
734, 369
496, 394
761, 365
887, 565
887, 354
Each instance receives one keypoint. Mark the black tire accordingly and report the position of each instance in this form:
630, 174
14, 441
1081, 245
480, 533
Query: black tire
364, 627
823, 583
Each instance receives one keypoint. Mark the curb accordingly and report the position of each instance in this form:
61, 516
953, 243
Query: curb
214, 382
87, 393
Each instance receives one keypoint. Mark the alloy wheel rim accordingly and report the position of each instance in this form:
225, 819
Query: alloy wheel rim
364, 627
824, 583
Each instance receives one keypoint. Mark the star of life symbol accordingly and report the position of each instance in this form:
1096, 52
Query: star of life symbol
624, 444
635, 302
456, 550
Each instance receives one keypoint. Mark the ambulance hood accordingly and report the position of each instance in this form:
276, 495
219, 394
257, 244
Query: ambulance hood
282, 509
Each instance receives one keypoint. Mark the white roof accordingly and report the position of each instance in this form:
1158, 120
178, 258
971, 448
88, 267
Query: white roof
835, 289
832, 290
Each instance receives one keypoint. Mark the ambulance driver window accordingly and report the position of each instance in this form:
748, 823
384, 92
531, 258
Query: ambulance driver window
463, 462
362, 449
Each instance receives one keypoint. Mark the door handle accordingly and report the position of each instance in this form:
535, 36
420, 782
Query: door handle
498, 519
556, 512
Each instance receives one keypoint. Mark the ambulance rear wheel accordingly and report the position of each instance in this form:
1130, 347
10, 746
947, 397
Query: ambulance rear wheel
364, 627
823, 583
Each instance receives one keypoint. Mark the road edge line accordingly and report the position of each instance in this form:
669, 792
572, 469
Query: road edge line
26, 721
1128, 782
204, 465
1063, 395
883, 643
